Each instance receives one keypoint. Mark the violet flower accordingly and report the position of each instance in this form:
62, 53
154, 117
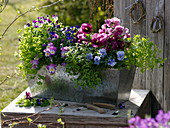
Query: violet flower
120, 55
47, 52
52, 50
36, 26
63, 51
97, 60
112, 62
51, 68
34, 64
102, 52
89, 56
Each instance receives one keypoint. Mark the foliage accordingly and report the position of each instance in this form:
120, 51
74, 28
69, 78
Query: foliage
143, 53
47, 42
41, 126
70, 12
162, 120
8, 62
76, 12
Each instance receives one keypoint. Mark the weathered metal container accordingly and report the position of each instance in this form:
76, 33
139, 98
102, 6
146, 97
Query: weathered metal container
115, 88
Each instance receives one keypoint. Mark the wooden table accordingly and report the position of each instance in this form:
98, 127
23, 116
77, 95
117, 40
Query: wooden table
139, 104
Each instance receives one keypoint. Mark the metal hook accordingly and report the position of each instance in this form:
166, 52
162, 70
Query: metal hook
157, 20
142, 14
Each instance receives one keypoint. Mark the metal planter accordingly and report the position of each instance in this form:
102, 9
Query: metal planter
115, 88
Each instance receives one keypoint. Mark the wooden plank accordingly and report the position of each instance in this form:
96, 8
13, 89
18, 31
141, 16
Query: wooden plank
154, 79
167, 55
121, 12
139, 28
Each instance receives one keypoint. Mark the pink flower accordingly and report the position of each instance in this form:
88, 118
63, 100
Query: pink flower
28, 95
47, 52
81, 36
55, 37
112, 22
50, 44
120, 28
86, 28
99, 40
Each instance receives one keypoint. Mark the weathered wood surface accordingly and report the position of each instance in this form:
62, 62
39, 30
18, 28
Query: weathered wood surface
167, 55
139, 104
157, 80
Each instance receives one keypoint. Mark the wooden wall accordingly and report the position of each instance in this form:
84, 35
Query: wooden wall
158, 80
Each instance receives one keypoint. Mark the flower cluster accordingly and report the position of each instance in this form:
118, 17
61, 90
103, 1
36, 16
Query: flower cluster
111, 35
30, 101
162, 120
47, 42
109, 43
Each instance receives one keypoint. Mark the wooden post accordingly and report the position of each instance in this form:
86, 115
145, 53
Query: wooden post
167, 55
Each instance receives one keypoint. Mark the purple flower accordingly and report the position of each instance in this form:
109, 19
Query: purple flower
86, 28
52, 50
28, 25
77, 26
34, 21
40, 21
40, 18
162, 120
49, 21
102, 52
38, 102
89, 56
112, 62
64, 49
63, 64
52, 33
120, 55
68, 34
34, 64
97, 60
81, 36
36, 26
44, 45
58, 26
69, 38
28, 95
51, 68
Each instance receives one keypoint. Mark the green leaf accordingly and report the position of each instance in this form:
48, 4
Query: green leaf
29, 120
